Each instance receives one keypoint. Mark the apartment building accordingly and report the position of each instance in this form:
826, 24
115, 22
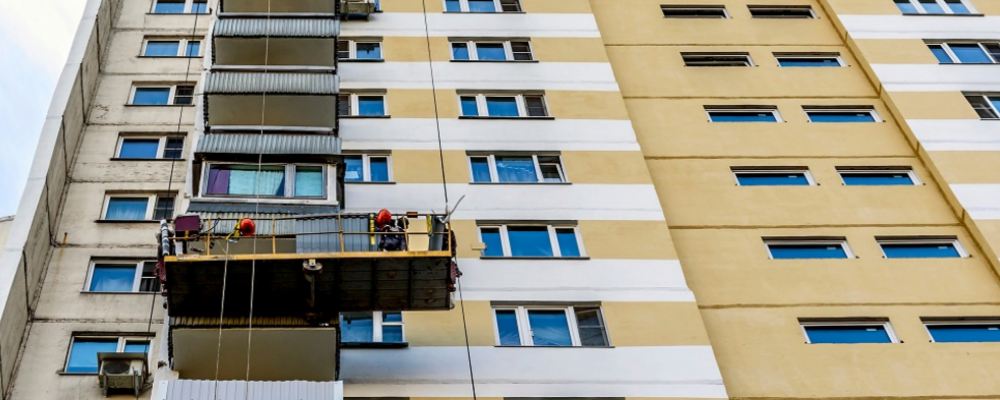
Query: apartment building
585, 199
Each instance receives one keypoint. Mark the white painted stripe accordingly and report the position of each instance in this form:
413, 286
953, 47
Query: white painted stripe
596, 76
474, 25
466, 134
980, 200
513, 201
956, 134
665, 371
937, 77
574, 280
921, 27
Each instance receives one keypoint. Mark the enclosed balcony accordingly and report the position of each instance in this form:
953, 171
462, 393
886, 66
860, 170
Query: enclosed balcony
282, 100
242, 390
219, 145
283, 6
279, 43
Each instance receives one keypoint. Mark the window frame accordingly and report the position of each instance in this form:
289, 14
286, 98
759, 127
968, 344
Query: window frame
876, 118
752, 7
941, 3
885, 324
188, 6
150, 205
171, 97
495, 175
989, 103
842, 242
354, 109
123, 340
519, 97
352, 49
289, 182
687, 63
747, 109
974, 321
525, 336
946, 46
553, 240
665, 7
182, 47
736, 171
471, 46
136, 283
463, 6
915, 240
779, 56
366, 166
160, 149
377, 324
877, 170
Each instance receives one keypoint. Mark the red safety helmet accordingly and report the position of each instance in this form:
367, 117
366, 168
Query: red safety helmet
246, 227
382, 218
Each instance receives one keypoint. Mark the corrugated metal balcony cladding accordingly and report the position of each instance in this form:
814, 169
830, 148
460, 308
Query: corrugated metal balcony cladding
268, 143
277, 27
240, 322
253, 390
271, 83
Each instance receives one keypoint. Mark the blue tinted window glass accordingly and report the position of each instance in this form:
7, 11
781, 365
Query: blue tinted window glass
772, 179
480, 169
308, 181
369, 51
848, 334
917, 250
137, 347
789, 251
392, 333
965, 333
507, 328
958, 7
941, 55
356, 327
529, 241
482, 6
162, 49
459, 51
742, 116
491, 237
880, 179
808, 62
995, 101
970, 54
452, 6
139, 148
122, 208
193, 49
469, 107
906, 7
932, 7
549, 328
112, 278
852, 116
516, 169
371, 105
199, 8
164, 7
379, 169
490, 51
83, 355
567, 243
353, 169
151, 96
501, 106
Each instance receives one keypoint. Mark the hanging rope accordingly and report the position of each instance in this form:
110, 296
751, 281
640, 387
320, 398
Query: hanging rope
222, 314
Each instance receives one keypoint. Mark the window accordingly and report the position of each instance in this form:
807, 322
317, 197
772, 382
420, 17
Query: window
717, 59
550, 326
268, 180
823, 114
782, 12
752, 176
171, 48
119, 276
180, 6
362, 105
877, 176
694, 11
507, 50
488, 6
369, 49
934, 7
963, 330
848, 331
807, 248
809, 59
987, 106
368, 168
149, 147
371, 327
966, 53
531, 241
532, 168
178, 95
82, 357
138, 207
742, 114
904, 247
503, 105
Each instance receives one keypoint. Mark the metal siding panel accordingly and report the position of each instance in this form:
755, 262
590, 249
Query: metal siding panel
256, 27
258, 390
269, 143
271, 83
244, 208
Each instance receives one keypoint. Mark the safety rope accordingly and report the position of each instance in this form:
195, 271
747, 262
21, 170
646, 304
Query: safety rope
222, 315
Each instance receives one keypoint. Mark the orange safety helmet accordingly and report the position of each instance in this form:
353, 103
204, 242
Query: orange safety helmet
382, 218
246, 227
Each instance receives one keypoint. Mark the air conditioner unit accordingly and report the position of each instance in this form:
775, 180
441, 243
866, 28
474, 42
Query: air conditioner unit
122, 371
351, 8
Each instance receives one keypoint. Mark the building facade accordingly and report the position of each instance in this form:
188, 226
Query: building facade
645, 199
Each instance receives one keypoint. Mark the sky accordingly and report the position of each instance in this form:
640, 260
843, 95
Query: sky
35, 37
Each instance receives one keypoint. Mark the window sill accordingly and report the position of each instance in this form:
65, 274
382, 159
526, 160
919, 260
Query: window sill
484, 12
364, 116
498, 61
126, 221
159, 105
533, 258
183, 57
89, 292
375, 345
180, 13
361, 60
961, 63
522, 183
371, 182
942, 15
61, 372
147, 159
506, 118
554, 347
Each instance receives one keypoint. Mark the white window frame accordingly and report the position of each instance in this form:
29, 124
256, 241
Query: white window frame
353, 108
353, 48
188, 6
952, 322
377, 325
772, 110
860, 170
495, 176
508, 49
160, 149
962, 253
751, 171
366, 173
725, 11
182, 46
884, 324
122, 341
746, 56
779, 56
150, 205
522, 109
525, 334
946, 46
989, 103
944, 6
289, 182
848, 109
463, 6
136, 284
553, 239
171, 98
842, 242
752, 7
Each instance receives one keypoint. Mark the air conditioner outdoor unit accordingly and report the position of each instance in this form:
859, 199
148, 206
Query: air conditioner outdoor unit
122, 371
357, 7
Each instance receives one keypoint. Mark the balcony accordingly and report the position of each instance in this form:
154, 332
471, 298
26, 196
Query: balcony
242, 390
268, 144
285, 100
279, 43
283, 6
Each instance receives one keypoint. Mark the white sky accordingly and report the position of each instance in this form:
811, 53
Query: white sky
35, 37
